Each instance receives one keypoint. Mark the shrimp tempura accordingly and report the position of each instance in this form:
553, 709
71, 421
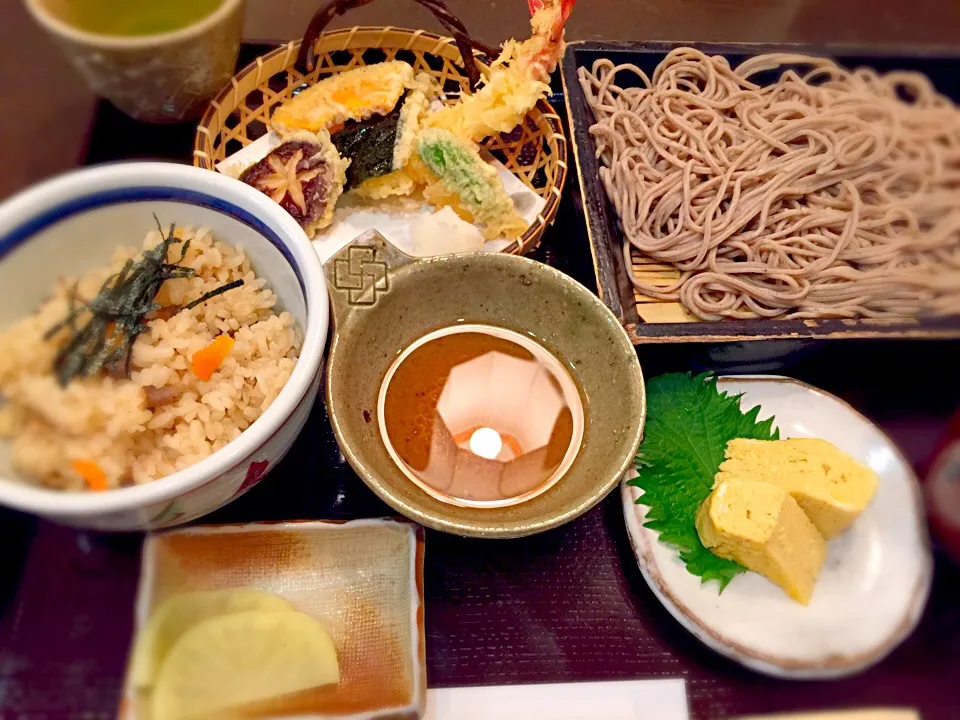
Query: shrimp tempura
517, 79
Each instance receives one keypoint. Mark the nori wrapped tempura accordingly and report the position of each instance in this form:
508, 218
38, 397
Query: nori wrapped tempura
369, 145
382, 143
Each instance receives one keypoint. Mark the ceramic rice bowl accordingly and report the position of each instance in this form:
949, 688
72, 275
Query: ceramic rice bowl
70, 225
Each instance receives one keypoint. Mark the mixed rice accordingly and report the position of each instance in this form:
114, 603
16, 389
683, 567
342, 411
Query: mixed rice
109, 430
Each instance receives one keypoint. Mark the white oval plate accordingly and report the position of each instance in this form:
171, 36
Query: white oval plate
873, 586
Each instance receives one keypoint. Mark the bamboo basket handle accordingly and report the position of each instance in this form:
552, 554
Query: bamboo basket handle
306, 59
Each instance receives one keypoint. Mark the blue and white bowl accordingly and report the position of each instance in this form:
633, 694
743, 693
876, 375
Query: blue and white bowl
72, 224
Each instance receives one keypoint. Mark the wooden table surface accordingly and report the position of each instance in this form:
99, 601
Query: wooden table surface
46, 110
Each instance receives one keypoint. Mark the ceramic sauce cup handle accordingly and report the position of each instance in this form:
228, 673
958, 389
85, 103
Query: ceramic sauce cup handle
361, 273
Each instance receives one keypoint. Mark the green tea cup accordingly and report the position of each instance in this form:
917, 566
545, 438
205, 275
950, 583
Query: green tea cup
162, 77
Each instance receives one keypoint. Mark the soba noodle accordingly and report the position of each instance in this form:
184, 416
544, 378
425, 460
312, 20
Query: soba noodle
824, 193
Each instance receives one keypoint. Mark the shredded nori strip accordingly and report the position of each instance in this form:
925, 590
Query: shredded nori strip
118, 313
369, 145
213, 293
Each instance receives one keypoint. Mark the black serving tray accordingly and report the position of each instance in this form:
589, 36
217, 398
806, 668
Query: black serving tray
567, 605
941, 65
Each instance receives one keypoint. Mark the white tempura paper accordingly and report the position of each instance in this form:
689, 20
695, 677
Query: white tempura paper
247, 156
615, 700
393, 224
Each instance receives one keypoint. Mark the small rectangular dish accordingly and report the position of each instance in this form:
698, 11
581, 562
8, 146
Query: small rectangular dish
362, 580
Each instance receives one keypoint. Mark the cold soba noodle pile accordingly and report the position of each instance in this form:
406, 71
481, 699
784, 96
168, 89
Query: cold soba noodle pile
144, 367
826, 193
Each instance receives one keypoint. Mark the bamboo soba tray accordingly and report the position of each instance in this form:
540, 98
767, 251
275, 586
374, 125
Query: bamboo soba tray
649, 320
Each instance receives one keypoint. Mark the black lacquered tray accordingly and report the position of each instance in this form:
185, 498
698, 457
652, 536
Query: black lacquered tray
942, 66
567, 605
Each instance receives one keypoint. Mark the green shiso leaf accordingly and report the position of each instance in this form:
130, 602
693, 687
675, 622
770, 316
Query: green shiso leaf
689, 423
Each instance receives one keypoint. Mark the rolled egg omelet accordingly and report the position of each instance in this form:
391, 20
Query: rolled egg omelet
760, 526
830, 486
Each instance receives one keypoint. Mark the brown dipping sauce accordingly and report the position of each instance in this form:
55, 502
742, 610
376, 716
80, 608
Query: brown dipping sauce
480, 418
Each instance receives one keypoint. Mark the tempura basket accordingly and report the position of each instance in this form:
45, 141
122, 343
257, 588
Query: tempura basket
535, 151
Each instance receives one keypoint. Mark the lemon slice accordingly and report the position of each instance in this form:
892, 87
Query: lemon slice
243, 658
180, 613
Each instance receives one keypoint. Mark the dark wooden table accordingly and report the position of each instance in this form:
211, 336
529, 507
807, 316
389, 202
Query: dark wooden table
567, 605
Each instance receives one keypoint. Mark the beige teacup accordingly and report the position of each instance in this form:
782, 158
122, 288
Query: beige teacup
167, 77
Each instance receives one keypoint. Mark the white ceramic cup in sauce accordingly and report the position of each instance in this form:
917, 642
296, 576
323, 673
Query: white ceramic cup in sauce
493, 387
71, 225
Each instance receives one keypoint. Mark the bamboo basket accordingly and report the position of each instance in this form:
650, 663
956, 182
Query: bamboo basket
535, 151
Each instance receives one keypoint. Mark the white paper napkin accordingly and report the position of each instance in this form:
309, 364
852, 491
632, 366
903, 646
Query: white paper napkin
616, 700
396, 226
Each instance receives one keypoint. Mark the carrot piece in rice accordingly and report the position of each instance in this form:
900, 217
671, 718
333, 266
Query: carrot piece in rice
91, 473
206, 361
